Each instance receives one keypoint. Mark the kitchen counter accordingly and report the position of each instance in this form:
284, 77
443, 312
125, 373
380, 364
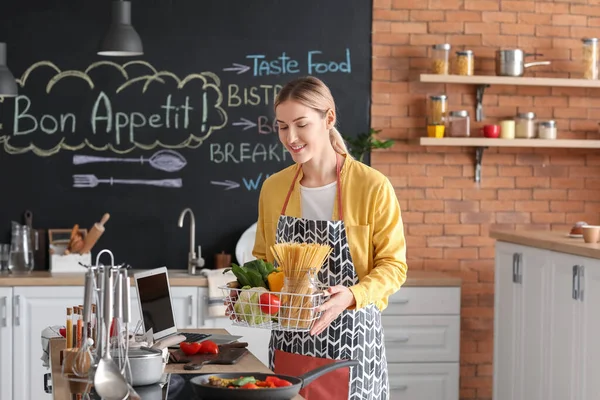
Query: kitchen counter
181, 278
249, 363
549, 240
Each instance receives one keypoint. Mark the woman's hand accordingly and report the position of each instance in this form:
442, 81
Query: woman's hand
341, 298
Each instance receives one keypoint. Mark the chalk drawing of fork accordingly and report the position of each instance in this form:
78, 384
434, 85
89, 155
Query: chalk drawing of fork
90, 181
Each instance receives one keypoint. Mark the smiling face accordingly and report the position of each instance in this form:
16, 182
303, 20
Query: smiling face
304, 131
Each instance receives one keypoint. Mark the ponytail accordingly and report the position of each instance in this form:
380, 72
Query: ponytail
338, 143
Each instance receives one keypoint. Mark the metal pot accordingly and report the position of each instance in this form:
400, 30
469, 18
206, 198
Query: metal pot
511, 62
147, 365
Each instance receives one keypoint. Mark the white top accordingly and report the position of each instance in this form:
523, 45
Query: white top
317, 203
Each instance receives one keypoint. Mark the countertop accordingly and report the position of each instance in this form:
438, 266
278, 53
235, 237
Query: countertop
181, 278
549, 240
249, 363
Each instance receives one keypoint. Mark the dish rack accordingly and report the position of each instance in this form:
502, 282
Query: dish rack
296, 312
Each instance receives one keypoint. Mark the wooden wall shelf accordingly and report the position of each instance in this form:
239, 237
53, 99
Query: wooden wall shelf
485, 142
509, 80
484, 81
481, 144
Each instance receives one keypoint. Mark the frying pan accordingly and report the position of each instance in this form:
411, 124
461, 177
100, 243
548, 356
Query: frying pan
204, 391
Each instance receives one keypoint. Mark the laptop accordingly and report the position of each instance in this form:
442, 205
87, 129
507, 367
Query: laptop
156, 306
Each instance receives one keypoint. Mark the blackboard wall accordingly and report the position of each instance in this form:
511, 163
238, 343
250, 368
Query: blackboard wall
203, 90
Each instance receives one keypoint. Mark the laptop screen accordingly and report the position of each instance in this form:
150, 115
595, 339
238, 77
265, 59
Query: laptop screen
155, 302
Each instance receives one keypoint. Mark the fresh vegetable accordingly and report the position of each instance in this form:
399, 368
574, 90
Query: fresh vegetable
244, 380
209, 347
269, 303
250, 386
189, 348
275, 281
248, 382
254, 273
277, 381
247, 306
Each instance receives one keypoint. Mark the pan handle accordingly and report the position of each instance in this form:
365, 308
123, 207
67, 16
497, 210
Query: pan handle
310, 376
532, 54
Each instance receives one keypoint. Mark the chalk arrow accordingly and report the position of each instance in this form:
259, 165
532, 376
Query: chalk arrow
240, 68
246, 123
227, 183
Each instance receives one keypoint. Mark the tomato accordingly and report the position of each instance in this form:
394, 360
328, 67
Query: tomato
277, 381
250, 386
189, 348
269, 303
209, 347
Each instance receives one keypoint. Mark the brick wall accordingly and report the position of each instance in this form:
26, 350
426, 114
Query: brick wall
447, 215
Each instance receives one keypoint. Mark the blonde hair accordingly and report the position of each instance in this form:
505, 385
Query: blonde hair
313, 93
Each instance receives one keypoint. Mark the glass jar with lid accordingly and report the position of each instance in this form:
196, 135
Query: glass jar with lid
440, 59
525, 125
459, 124
465, 63
590, 58
438, 107
547, 130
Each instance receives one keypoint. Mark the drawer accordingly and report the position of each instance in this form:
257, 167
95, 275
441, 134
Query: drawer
424, 381
422, 338
424, 301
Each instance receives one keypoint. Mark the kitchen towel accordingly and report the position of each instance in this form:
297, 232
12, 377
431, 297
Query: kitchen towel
47, 334
216, 296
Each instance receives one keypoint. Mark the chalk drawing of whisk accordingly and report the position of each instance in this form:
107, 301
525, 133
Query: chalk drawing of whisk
90, 181
164, 160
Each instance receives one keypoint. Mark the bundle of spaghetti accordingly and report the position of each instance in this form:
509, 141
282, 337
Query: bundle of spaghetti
300, 263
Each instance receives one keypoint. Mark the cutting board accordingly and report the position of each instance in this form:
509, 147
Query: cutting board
225, 356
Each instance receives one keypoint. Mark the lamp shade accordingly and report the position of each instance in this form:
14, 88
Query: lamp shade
8, 85
121, 39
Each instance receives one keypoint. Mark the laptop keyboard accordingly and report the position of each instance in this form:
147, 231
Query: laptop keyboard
194, 337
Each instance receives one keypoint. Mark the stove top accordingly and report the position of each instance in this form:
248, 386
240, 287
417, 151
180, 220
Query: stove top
177, 387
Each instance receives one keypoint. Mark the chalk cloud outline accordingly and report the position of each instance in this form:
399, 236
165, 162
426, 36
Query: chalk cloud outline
209, 81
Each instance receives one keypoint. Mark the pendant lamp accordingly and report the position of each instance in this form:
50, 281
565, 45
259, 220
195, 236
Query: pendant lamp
8, 85
121, 39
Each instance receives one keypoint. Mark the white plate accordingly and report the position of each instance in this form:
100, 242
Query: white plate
575, 236
243, 249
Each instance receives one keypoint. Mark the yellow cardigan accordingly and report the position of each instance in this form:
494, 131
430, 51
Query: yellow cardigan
373, 223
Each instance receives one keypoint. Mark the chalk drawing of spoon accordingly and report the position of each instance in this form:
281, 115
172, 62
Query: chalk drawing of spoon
164, 160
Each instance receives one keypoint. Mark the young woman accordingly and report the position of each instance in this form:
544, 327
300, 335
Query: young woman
330, 198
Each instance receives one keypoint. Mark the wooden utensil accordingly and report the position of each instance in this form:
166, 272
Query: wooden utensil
94, 234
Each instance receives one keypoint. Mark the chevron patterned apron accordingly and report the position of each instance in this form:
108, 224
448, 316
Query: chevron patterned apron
355, 334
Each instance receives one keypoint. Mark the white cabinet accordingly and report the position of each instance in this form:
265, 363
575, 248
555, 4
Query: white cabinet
34, 309
422, 339
546, 328
6, 344
257, 339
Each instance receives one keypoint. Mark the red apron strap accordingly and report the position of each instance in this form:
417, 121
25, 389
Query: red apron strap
289, 193
338, 171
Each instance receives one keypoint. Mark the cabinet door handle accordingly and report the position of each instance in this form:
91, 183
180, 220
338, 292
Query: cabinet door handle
514, 267
191, 309
17, 311
580, 281
575, 283
399, 387
519, 268
402, 339
4, 323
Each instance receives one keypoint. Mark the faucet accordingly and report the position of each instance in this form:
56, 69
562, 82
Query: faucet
193, 262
